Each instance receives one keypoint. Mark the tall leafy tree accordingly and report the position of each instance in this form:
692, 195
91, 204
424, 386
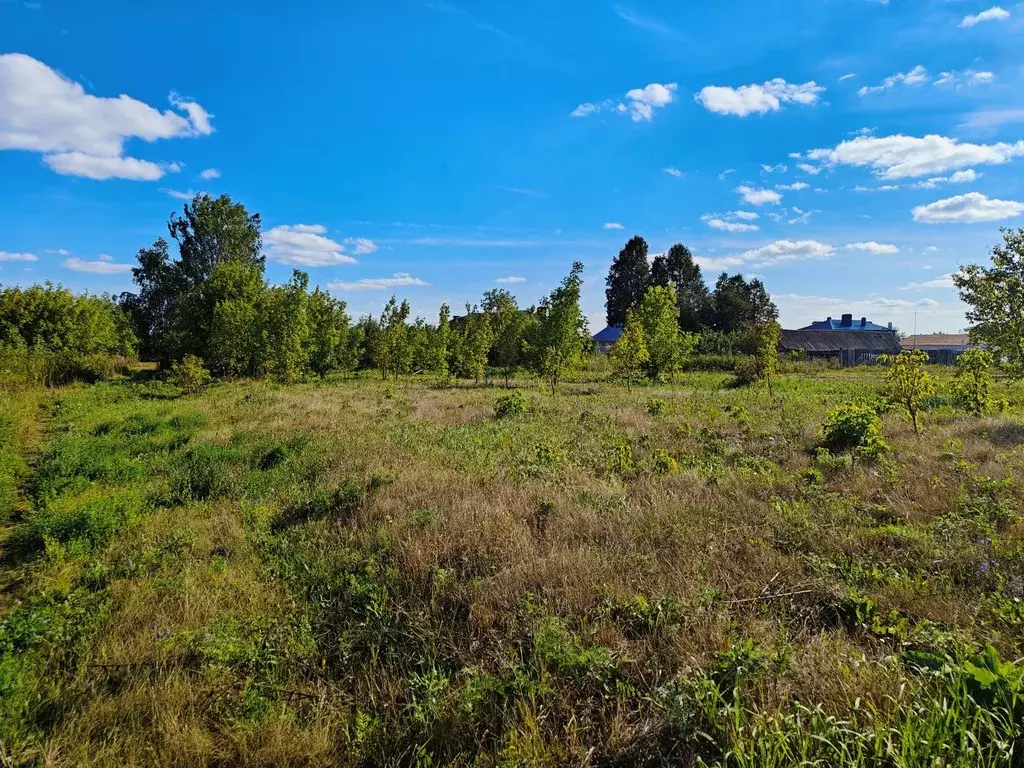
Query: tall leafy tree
507, 330
995, 296
390, 342
738, 305
677, 268
442, 342
172, 311
667, 346
287, 328
328, 332
629, 355
628, 278
561, 338
237, 343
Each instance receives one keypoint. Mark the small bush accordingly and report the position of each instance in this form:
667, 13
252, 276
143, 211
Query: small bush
201, 474
747, 370
512, 404
656, 406
854, 428
190, 374
663, 463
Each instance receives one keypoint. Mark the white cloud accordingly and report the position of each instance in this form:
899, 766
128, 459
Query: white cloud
990, 119
102, 168
399, 280
969, 77
179, 195
946, 281
60, 252
81, 134
802, 217
361, 245
755, 196
796, 186
899, 156
307, 245
807, 168
210, 173
995, 13
643, 101
780, 168
724, 224
960, 177
673, 172
726, 172
787, 250
640, 103
759, 99
613, 225
510, 279
969, 208
917, 76
879, 249
845, 77
102, 266
8, 256
880, 188
745, 215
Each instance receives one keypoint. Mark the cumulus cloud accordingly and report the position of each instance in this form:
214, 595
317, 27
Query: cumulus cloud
210, 173
900, 156
969, 208
102, 168
510, 279
81, 134
755, 196
673, 172
104, 265
879, 249
787, 250
307, 245
960, 79
960, 177
917, 76
796, 186
946, 281
757, 99
727, 222
613, 225
398, 280
8, 256
640, 103
807, 168
995, 13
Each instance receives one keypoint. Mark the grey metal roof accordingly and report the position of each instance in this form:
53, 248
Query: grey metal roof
823, 342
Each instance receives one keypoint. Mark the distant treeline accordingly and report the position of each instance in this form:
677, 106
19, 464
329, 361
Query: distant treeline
211, 300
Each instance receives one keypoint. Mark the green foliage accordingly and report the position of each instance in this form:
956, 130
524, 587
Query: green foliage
656, 406
676, 268
512, 404
747, 370
474, 345
767, 337
561, 336
854, 428
996, 298
908, 384
629, 354
738, 305
667, 346
328, 342
51, 318
973, 381
389, 347
628, 280
190, 374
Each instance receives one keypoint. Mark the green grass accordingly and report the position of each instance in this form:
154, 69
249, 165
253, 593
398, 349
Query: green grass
358, 574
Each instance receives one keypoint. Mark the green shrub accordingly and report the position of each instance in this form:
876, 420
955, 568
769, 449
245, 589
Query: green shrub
747, 370
854, 428
722, 363
663, 463
512, 404
656, 406
190, 374
200, 473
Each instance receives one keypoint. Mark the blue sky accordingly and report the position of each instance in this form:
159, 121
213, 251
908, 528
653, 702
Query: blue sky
851, 153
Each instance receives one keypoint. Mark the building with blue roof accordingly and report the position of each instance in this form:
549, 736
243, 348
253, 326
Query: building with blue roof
846, 323
606, 339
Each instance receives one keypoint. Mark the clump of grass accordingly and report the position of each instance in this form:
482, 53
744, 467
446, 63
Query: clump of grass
512, 404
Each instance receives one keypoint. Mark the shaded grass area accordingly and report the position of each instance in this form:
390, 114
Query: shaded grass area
359, 574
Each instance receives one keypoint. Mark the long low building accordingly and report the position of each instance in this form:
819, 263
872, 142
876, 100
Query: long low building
941, 348
847, 347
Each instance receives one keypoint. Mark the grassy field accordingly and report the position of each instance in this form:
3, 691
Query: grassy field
361, 573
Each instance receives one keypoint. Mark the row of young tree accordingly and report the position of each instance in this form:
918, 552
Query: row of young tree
724, 316
213, 302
